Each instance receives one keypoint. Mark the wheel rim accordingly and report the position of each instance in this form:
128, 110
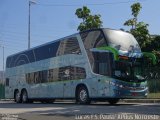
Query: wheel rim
83, 95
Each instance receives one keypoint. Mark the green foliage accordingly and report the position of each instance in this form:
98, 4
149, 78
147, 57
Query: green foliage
136, 9
153, 45
89, 21
138, 29
83, 12
156, 44
130, 22
154, 85
141, 33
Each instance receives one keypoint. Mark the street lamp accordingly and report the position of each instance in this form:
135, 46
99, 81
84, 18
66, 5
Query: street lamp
29, 19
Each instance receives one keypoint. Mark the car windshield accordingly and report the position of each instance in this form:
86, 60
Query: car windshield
122, 41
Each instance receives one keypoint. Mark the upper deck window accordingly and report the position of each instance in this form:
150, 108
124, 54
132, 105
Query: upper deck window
69, 46
93, 39
65, 46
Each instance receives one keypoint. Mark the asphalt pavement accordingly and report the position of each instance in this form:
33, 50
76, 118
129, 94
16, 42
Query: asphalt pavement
71, 111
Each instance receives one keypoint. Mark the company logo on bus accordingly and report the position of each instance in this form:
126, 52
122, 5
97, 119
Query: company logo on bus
67, 73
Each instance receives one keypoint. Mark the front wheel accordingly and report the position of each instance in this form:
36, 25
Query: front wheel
83, 96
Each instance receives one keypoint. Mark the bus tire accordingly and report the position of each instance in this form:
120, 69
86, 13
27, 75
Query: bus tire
82, 95
17, 96
24, 96
113, 101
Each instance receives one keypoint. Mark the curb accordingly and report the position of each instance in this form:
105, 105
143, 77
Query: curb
142, 100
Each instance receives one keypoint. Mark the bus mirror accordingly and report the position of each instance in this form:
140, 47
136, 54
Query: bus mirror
150, 56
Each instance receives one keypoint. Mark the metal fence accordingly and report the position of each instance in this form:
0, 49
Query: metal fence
153, 79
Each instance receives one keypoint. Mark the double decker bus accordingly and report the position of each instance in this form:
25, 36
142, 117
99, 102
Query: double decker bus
99, 64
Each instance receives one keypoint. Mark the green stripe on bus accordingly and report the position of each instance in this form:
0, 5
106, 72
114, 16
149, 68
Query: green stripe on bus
113, 50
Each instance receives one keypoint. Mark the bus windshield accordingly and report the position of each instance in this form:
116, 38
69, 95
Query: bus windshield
122, 41
128, 71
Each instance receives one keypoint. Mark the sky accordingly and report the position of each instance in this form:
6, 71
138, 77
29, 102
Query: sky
53, 19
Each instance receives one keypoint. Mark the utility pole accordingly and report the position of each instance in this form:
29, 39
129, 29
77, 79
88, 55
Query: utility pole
29, 24
3, 66
3, 57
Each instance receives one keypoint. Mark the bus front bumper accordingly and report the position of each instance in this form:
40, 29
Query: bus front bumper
133, 93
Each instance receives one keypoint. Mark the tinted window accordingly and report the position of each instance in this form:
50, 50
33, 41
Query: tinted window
46, 51
37, 54
56, 74
63, 47
69, 46
93, 39
103, 63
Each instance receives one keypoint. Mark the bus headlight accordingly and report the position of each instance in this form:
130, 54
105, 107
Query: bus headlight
121, 86
117, 85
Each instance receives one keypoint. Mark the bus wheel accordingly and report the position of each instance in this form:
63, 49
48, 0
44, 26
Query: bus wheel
83, 96
24, 96
17, 97
113, 101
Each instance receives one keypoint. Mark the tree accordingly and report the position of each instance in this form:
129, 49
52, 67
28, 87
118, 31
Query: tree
138, 29
154, 45
88, 21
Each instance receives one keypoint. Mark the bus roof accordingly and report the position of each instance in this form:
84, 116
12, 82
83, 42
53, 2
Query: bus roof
60, 39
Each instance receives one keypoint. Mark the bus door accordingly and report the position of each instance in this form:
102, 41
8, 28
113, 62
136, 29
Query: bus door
103, 65
68, 82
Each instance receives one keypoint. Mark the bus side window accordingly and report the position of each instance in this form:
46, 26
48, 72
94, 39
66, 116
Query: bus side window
69, 46
36, 77
50, 75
